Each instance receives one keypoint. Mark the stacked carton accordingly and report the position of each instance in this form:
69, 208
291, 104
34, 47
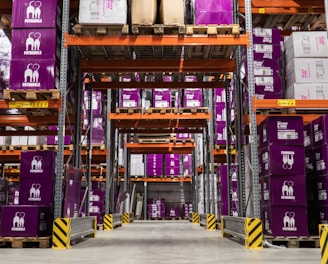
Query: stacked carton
213, 12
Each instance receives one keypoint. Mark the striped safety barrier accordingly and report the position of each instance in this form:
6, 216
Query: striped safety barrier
253, 233
211, 222
126, 218
195, 218
108, 222
323, 234
61, 233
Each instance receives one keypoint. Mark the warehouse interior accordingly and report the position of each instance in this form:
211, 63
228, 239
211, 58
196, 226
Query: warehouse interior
185, 130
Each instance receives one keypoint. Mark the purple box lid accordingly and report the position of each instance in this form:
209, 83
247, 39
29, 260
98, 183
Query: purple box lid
284, 190
282, 160
34, 44
282, 130
34, 14
32, 74
285, 220
266, 51
38, 164
36, 192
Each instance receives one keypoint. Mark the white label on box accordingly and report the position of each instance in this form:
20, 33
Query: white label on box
262, 32
161, 104
193, 103
263, 71
129, 103
263, 80
287, 134
262, 48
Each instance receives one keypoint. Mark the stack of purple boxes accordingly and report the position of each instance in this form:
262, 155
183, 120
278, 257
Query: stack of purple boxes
53, 140
162, 98
34, 43
33, 216
213, 12
96, 205
192, 97
186, 210
224, 193
156, 208
172, 212
154, 163
267, 63
172, 165
72, 199
187, 165
98, 116
320, 155
282, 176
129, 97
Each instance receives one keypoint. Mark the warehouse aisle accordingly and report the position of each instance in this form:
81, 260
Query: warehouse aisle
171, 242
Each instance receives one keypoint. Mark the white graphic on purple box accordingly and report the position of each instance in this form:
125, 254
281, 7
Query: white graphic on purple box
287, 190
33, 43
36, 164
287, 159
31, 75
35, 192
18, 222
33, 12
289, 222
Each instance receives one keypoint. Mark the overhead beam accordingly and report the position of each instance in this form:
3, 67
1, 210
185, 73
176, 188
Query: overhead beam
24, 120
172, 65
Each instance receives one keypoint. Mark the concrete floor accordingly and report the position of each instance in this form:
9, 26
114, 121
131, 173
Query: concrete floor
171, 242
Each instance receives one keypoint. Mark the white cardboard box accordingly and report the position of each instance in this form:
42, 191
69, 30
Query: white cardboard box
103, 12
307, 91
306, 45
307, 70
143, 11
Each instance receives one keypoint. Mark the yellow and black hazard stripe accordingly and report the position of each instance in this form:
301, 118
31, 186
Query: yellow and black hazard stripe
126, 218
195, 218
253, 233
108, 222
323, 234
211, 222
61, 233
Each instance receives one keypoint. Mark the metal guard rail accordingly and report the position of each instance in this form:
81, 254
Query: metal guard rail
247, 229
117, 220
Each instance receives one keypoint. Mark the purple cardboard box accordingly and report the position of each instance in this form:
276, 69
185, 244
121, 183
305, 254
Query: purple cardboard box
267, 51
172, 163
36, 192
162, 99
38, 164
97, 196
285, 220
26, 221
32, 74
154, 172
320, 131
322, 186
266, 67
72, 173
73, 190
282, 160
172, 171
207, 17
323, 214
220, 112
213, 5
266, 35
98, 185
71, 208
281, 130
285, 191
97, 102
173, 212
321, 160
34, 44
130, 99
219, 95
268, 84
193, 99
172, 157
308, 136
309, 161
34, 14
154, 157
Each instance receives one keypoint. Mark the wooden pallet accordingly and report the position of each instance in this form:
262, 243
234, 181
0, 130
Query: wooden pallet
153, 140
184, 110
294, 242
156, 218
52, 94
128, 110
158, 29
22, 147
183, 141
96, 146
25, 242
92, 30
172, 218
161, 110
232, 29
55, 147
100, 226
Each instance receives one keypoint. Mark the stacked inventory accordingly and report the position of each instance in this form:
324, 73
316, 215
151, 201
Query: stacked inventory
282, 176
34, 43
213, 12
267, 64
320, 155
186, 210
96, 204
172, 212
187, 163
224, 193
172, 165
162, 98
154, 163
307, 60
192, 97
33, 216
156, 208
129, 97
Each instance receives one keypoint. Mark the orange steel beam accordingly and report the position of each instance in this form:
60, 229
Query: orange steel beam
284, 3
284, 11
24, 120
156, 116
288, 103
171, 65
151, 40
165, 179
5, 8
307, 118
50, 104
32, 133
178, 148
158, 131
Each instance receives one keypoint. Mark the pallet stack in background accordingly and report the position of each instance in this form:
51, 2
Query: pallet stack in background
156, 208
96, 205
282, 176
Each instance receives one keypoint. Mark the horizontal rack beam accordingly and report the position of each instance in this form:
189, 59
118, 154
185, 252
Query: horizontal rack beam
25, 104
152, 40
288, 103
284, 11
137, 130
153, 65
27, 120
160, 148
156, 116
307, 118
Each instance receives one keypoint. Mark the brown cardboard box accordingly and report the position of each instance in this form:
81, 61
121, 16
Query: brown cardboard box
172, 12
143, 11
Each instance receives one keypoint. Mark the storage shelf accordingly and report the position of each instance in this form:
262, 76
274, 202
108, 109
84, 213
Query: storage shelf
288, 103
307, 118
160, 148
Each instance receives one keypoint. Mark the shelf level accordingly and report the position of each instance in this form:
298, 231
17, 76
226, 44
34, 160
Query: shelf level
160, 148
288, 103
